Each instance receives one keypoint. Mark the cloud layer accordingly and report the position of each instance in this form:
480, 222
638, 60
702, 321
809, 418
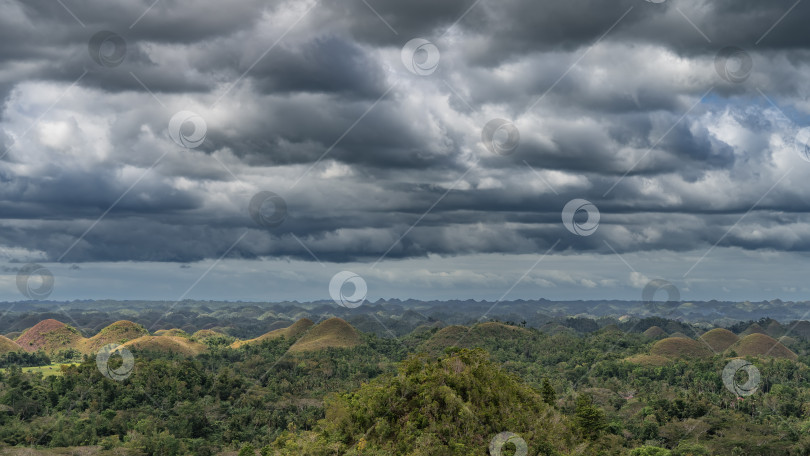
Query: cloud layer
630, 105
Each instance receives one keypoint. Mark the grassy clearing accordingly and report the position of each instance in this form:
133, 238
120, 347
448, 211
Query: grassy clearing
46, 371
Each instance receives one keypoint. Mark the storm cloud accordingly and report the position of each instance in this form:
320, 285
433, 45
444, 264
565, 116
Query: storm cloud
677, 120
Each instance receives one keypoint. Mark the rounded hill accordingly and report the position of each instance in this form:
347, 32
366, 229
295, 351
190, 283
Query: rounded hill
50, 336
7, 345
757, 344
291, 332
655, 332
719, 339
678, 347
332, 333
116, 333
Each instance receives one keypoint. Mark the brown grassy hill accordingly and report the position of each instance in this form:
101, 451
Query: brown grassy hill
678, 347
719, 339
775, 329
753, 329
116, 333
655, 332
679, 335
648, 360
49, 335
7, 345
332, 333
445, 337
174, 332
167, 344
800, 329
291, 332
471, 337
761, 344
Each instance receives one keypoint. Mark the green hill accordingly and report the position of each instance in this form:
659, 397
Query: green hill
476, 336
116, 333
332, 333
455, 405
8, 345
174, 332
753, 329
166, 344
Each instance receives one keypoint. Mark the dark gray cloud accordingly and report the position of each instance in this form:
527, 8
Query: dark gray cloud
618, 103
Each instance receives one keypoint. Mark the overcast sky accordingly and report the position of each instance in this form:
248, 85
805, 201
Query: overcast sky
160, 149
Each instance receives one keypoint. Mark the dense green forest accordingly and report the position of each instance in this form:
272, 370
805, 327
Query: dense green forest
560, 393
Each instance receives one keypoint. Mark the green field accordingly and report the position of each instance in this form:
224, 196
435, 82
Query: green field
46, 371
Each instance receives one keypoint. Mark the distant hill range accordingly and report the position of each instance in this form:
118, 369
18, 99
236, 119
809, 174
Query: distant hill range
387, 317
764, 338
52, 336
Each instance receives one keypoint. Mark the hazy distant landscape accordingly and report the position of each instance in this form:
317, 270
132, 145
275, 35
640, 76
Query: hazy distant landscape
386, 377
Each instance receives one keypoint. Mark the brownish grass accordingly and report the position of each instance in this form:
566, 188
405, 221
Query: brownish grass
50, 336
8, 345
761, 344
332, 333
720, 339
291, 332
655, 332
753, 329
117, 333
175, 332
678, 347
